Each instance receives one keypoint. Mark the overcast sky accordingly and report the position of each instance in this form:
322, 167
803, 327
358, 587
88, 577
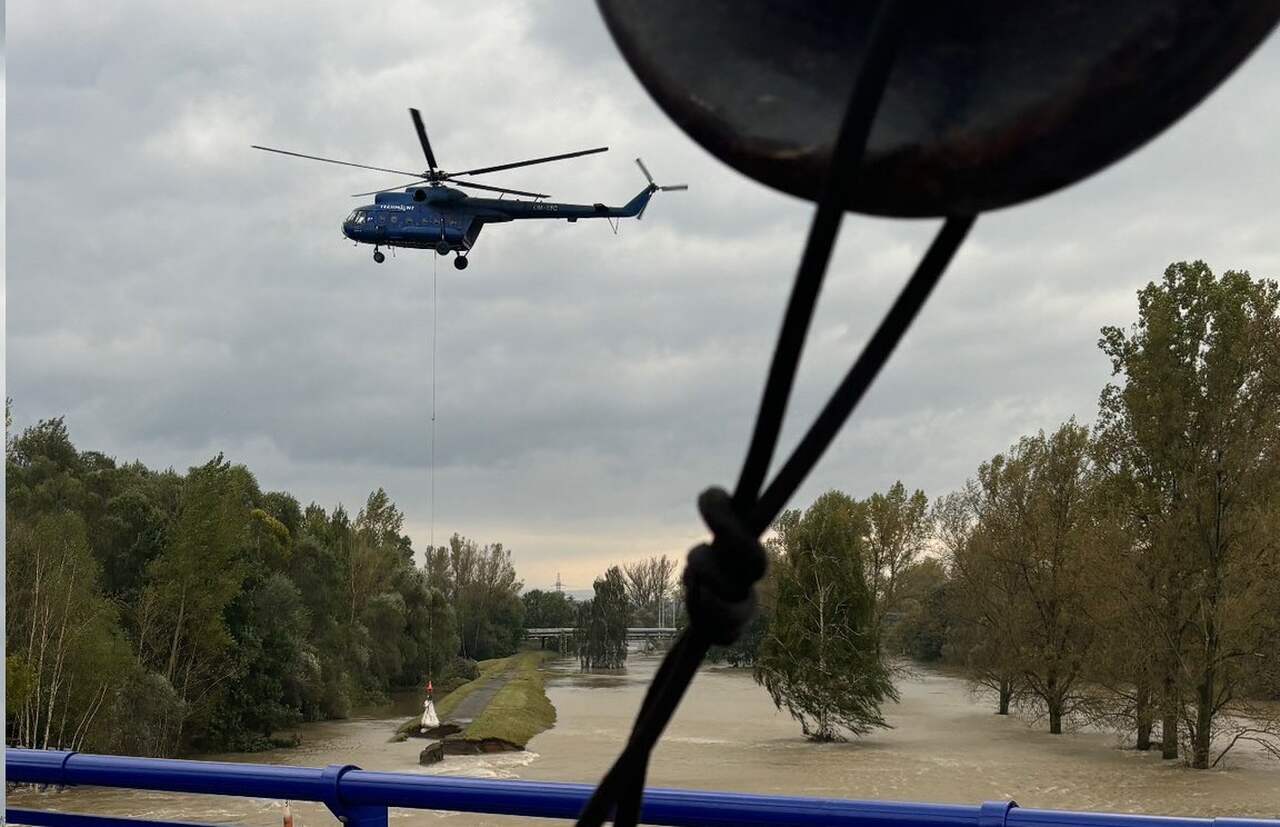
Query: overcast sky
176, 294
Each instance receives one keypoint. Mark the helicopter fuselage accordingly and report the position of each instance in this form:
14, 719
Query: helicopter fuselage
430, 215
445, 219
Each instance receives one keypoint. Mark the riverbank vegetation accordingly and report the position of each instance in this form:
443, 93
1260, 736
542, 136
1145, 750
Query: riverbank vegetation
1126, 574
156, 613
1129, 574
636, 594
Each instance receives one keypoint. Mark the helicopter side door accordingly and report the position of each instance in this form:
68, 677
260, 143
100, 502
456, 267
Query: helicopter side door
422, 225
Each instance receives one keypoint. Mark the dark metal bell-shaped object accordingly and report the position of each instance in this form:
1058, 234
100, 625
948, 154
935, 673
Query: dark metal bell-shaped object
989, 103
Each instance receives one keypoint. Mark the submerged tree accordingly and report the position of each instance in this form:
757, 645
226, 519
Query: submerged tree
898, 530
1192, 426
1020, 572
601, 633
820, 657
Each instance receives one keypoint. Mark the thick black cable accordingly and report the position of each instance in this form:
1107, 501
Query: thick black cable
719, 578
869, 84
615, 789
623, 785
863, 372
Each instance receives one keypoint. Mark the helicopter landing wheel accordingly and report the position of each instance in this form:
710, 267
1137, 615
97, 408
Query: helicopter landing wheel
443, 248
378, 256
460, 262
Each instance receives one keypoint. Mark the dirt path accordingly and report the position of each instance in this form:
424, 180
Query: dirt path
475, 703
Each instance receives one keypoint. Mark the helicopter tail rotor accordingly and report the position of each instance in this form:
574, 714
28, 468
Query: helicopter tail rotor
645, 170
655, 187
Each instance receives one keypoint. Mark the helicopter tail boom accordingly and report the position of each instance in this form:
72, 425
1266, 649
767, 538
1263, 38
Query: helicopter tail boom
636, 206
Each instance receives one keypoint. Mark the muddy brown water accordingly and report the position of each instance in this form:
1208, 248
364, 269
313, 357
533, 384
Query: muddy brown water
945, 746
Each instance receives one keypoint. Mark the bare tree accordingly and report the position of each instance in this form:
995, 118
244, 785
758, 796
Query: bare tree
649, 583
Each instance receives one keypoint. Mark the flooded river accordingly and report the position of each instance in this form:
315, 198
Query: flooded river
945, 746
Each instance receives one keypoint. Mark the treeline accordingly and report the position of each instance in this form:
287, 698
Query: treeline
1132, 573
642, 593
155, 613
1127, 574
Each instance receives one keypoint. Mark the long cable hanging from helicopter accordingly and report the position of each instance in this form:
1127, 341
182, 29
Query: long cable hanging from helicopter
435, 259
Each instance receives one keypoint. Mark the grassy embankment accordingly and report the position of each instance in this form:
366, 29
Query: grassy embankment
520, 709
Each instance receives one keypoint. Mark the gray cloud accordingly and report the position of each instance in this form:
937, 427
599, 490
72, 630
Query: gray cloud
175, 293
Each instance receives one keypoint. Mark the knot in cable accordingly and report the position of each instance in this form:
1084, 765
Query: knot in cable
720, 576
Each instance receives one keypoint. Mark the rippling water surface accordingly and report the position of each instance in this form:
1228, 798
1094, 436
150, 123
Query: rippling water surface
945, 746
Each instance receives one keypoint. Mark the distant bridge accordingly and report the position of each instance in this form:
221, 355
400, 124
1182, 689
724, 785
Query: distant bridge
634, 633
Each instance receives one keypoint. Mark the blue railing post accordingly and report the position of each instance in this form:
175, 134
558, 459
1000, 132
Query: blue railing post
995, 813
351, 815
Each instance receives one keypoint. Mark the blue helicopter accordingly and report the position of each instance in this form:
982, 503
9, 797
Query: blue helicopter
427, 215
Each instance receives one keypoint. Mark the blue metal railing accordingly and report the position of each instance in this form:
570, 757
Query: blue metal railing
360, 798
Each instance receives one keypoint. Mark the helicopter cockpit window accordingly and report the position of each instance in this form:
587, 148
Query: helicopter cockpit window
351, 219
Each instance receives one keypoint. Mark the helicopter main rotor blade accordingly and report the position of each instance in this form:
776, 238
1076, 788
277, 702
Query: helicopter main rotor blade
392, 189
531, 161
331, 160
674, 187
422, 138
497, 189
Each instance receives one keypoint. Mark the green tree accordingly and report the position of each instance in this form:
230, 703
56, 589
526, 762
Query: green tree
134, 532
65, 648
275, 675
1021, 570
182, 630
1125, 666
434, 619
1192, 425
601, 632
819, 658
898, 529
433, 629
1043, 526
986, 606
42, 471
228, 613
548, 610
486, 596
922, 633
